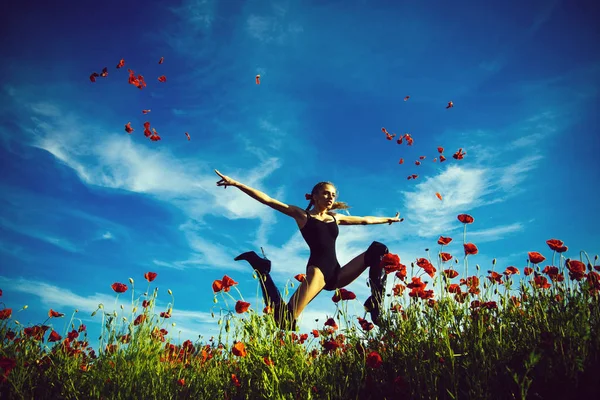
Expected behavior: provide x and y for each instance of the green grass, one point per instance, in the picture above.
(521, 341)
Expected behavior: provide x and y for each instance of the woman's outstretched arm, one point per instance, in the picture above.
(264, 198)
(350, 220)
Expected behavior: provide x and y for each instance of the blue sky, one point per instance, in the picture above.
(84, 204)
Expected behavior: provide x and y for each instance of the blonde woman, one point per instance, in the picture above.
(319, 228)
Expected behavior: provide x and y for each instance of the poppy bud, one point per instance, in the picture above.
(115, 314)
(215, 300)
(145, 293)
(426, 249)
(76, 310)
(227, 326)
(169, 291)
(220, 321)
(477, 267)
(253, 276)
(94, 313)
(100, 306)
(134, 309)
(17, 322)
(291, 285)
(124, 319)
(131, 280)
(173, 324)
(456, 260)
(212, 314)
(25, 307)
(122, 308)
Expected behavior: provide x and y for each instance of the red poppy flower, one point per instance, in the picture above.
(527, 271)
(450, 273)
(54, 336)
(300, 277)
(459, 155)
(495, 277)
(398, 289)
(445, 257)
(343, 294)
(241, 307)
(374, 360)
(511, 271)
(165, 314)
(227, 283)
(331, 322)
(465, 218)
(150, 276)
(427, 266)
(145, 303)
(119, 287)
(562, 249)
(401, 273)
(54, 314)
(576, 269)
(181, 382)
(390, 262)
(139, 319)
(535, 257)
(470, 249)
(6, 313)
(541, 282)
(454, 288)
(239, 349)
(444, 240)
(554, 244)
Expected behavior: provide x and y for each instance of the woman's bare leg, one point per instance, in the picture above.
(308, 290)
(351, 271)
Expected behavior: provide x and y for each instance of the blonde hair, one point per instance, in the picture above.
(337, 205)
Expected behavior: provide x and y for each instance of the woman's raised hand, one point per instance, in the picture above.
(225, 180)
(395, 219)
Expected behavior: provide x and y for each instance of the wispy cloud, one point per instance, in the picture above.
(36, 233)
(495, 233)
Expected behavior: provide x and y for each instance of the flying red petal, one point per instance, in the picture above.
(121, 63)
(258, 79)
(442, 158)
(435, 159)
(406, 98)
(417, 163)
(146, 111)
(188, 136)
(450, 104)
(399, 141)
(162, 78)
(93, 76)
(421, 157)
(384, 131)
(440, 150)
(128, 127)
(401, 161)
(162, 60)
(104, 73)
(439, 196)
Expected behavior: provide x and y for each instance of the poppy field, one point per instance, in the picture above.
(502, 332)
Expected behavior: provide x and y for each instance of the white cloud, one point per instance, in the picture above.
(512, 175)
(461, 188)
(495, 233)
(107, 236)
(36, 233)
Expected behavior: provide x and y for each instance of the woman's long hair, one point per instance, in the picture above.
(337, 205)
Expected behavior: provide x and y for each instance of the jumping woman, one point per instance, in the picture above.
(319, 227)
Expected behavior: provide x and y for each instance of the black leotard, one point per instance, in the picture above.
(320, 237)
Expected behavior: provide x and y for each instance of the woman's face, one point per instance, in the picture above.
(326, 196)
